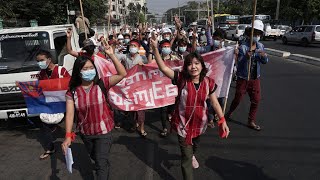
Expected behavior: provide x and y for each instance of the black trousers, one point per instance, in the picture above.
(98, 147)
(47, 135)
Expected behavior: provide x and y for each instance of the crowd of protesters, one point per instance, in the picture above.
(196, 106)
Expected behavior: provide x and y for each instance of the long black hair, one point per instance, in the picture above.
(188, 60)
(76, 80)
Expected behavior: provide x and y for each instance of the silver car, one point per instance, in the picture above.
(305, 35)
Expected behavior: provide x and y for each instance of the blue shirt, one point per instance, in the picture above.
(257, 60)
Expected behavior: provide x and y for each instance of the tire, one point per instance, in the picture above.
(284, 40)
(304, 42)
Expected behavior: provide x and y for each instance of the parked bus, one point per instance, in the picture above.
(247, 19)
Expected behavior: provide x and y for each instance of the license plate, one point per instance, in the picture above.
(17, 114)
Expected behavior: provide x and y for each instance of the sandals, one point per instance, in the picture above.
(143, 134)
(211, 124)
(46, 154)
(254, 126)
(164, 133)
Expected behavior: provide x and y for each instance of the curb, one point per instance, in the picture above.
(277, 52)
(305, 59)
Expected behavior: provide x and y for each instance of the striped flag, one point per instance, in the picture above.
(45, 96)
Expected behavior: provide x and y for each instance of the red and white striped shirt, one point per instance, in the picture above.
(94, 116)
(190, 116)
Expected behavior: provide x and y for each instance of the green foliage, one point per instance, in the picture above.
(48, 12)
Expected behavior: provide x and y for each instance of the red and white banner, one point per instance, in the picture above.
(146, 87)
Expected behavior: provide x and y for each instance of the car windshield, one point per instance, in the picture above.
(18, 51)
(242, 27)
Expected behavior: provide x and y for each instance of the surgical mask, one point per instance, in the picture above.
(166, 50)
(182, 49)
(88, 75)
(203, 32)
(43, 64)
(145, 42)
(256, 39)
(167, 38)
(126, 41)
(133, 50)
(216, 43)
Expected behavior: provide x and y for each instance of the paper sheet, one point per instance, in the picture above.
(69, 159)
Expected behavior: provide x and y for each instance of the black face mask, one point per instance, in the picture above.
(89, 49)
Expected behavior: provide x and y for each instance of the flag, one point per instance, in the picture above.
(45, 96)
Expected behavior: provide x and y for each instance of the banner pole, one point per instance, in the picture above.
(225, 105)
(251, 35)
(83, 20)
(109, 17)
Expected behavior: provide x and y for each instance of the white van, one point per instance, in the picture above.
(18, 48)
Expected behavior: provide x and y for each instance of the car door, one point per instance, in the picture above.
(300, 34)
(291, 35)
(317, 33)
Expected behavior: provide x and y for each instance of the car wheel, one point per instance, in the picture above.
(304, 42)
(284, 40)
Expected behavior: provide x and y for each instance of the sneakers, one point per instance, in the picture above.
(195, 163)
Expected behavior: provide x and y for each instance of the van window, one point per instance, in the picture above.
(60, 40)
(308, 29)
(18, 51)
(318, 28)
(241, 27)
(301, 29)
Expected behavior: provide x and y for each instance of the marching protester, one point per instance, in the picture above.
(250, 83)
(48, 71)
(87, 100)
(82, 25)
(189, 118)
(133, 58)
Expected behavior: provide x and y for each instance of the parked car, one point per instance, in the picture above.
(235, 31)
(271, 32)
(305, 35)
(283, 29)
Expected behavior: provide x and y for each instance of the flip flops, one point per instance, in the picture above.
(46, 154)
(254, 127)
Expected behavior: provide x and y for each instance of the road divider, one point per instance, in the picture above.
(278, 53)
(305, 59)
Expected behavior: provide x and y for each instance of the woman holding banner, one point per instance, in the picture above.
(87, 100)
(190, 118)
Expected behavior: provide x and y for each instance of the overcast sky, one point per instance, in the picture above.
(161, 6)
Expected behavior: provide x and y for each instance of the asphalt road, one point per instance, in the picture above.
(288, 147)
(312, 50)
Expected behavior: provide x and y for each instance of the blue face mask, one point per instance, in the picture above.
(126, 41)
(166, 50)
(216, 43)
(256, 39)
(182, 49)
(167, 38)
(88, 75)
(43, 64)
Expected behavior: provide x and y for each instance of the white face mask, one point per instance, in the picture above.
(133, 50)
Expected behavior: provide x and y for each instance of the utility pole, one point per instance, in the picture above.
(277, 10)
(212, 16)
(179, 7)
(218, 6)
(198, 10)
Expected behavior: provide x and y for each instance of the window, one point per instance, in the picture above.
(318, 28)
(60, 47)
(113, 8)
(301, 29)
(308, 29)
